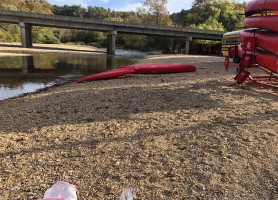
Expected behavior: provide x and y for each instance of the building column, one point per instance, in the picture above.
(187, 42)
(111, 42)
(26, 34)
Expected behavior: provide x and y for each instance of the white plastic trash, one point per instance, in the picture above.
(61, 191)
(126, 194)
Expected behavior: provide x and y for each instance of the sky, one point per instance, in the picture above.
(126, 5)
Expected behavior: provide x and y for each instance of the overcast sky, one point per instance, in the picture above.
(126, 5)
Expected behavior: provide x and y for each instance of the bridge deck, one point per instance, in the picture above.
(37, 19)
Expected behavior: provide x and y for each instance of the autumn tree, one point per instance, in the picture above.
(155, 12)
(38, 6)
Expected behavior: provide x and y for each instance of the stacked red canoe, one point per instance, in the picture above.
(262, 19)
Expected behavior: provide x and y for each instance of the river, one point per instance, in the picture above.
(26, 74)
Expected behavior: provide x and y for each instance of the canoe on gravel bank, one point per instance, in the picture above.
(157, 68)
(161, 68)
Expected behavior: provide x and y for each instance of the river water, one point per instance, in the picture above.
(27, 74)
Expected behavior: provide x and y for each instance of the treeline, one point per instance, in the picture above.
(224, 15)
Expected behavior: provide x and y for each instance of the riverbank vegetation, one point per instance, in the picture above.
(223, 15)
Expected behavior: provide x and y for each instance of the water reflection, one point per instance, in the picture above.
(27, 64)
(23, 74)
(7, 92)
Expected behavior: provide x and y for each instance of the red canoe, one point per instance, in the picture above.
(267, 60)
(258, 6)
(160, 68)
(115, 73)
(265, 39)
(264, 22)
(140, 69)
(240, 51)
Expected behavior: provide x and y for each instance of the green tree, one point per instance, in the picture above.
(97, 12)
(9, 32)
(115, 19)
(155, 12)
(73, 11)
(231, 14)
(8, 7)
(179, 18)
(199, 3)
(215, 15)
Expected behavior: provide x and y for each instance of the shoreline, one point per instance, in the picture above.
(56, 84)
(166, 136)
(15, 48)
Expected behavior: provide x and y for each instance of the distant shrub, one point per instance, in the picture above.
(8, 7)
(95, 44)
(51, 38)
(80, 43)
(2, 36)
(70, 43)
(37, 37)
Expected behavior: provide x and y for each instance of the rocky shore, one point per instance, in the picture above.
(166, 136)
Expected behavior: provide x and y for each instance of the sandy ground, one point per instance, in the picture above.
(166, 136)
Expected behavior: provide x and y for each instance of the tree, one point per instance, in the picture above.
(38, 6)
(180, 18)
(155, 12)
(231, 14)
(198, 3)
(214, 15)
(73, 11)
(9, 32)
(97, 12)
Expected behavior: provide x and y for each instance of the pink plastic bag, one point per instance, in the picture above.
(60, 191)
(126, 194)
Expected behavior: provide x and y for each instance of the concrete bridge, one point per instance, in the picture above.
(27, 19)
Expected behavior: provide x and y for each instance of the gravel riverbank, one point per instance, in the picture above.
(167, 136)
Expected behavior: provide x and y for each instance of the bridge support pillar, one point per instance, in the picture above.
(187, 42)
(174, 46)
(111, 42)
(179, 46)
(176, 43)
(26, 34)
